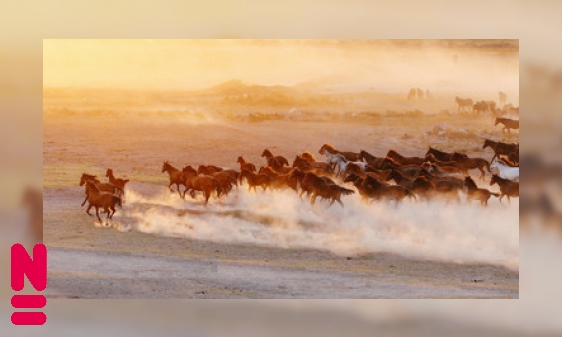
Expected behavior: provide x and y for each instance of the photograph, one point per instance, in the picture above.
(281, 168)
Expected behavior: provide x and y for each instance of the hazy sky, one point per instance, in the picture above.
(347, 64)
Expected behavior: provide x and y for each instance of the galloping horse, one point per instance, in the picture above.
(475, 193)
(104, 187)
(255, 180)
(120, 183)
(507, 187)
(472, 163)
(507, 124)
(351, 156)
(404, 160)
(176, 176)
(500, 148)
(203, 183)
(274, 161)
(100, 199)
(464, 104)
(244, 165)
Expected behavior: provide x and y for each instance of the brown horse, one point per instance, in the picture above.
(370, 159)
(176, 176)
(372, 188)
(104, 187)
(279, 180)
(500, 148)
(120, 183)
(203, 183)
(475, 193)
(507, 187)
(322, 187)
(226, 182)
(308, 156)
(244, 165)
(464, 105)
(100, 199)
(349, 156)
(507, 124)
(404, 160)
(255, 180)
(316, 167)
(274, 161)
(442, 156)
(208, 169)
(467, 163)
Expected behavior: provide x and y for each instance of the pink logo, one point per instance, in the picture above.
(36, 271)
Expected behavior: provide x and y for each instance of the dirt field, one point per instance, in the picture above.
(265, 244)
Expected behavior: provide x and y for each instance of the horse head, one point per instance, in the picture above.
(266, 153)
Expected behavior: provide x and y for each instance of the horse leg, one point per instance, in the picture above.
(483, 175)
(508, 200)
(341, 203)
(207, 195)
(313, 199)
(98, 214)
(113, 209)
(170, 187)
(88, 210)
(85, 199)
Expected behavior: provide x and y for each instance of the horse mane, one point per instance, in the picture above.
(90, 175)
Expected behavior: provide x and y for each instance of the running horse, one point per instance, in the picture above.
(507, 124)
(500, 148)
(351, 156)
(507, 187)
(274, 161)
(176, 176)
(475, 193)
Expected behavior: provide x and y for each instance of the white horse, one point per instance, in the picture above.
(342, 163)
(505, 171)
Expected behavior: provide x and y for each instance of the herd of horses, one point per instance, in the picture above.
(392, 177)
(498, 116)
(395, 177)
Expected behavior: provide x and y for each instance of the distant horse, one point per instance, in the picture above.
(104, 187)
(503, 97)
(507, 187)
(244, 165)
(176, 176)
(475, 193)
(419, 93)
(351, 156)
(505, 171)
(99, 199)
(500, 148)
(412, 94)
(465, 105)
(507, 124)
(120, 183)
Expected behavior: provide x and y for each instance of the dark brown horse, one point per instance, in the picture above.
(322, 187)
(370, 159)
(404, 160)
(274, 161)
(467, 163)
(244, 165)
(507, 187)
(204, 183)
(475, 193)
(176, 176)
(104, 187)
(279, 180)
(120, 183)
(500, 148)
(442, 156)
(255, 180)
(372, 188)
(99, 199)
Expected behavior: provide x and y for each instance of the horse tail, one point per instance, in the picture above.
(495, 194)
